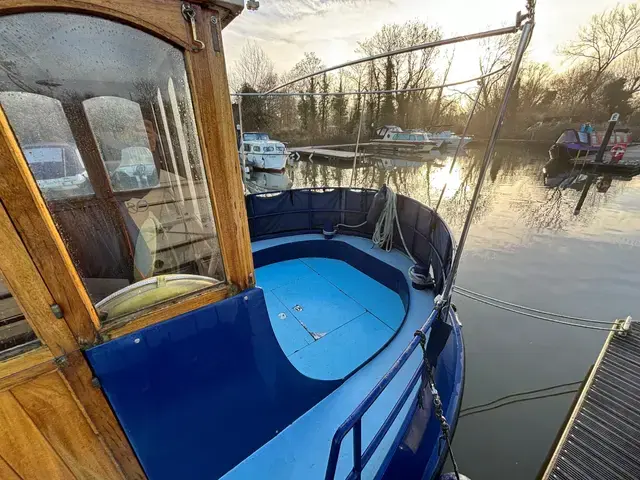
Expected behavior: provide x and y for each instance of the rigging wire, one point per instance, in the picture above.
(529, 309)
(422, 46)
(372, 92)
(539, 317)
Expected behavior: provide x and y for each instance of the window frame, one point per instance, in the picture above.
(211, 103)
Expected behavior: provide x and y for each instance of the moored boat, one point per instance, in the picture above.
(572, 144)
(263, 153)
(394, 139)
(450, 139)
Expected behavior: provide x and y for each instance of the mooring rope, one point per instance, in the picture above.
(539, 317)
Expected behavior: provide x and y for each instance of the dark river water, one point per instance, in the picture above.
(526, 246)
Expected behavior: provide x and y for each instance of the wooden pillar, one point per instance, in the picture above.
(212, 104)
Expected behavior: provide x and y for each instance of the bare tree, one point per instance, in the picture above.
(605, 39)
(254, 68)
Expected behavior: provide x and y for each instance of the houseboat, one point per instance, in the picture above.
(262, 153)
(165, 325)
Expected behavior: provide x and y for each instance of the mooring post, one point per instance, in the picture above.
(605, 141)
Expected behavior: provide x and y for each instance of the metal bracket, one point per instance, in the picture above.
(61, 361)
(56, 310)
(623, 326)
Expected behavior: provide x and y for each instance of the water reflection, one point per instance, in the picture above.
(515, 186)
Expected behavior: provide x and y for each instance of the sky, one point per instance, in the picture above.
(285, 29)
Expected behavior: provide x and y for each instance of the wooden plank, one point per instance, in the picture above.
(214, 119)
(25, 361)
(53, 410)
(20, 369)
(170, 310)
(25, 284)
(78, 376)
(6, 472)
(24, 448)
(30, 217)
(160, 17)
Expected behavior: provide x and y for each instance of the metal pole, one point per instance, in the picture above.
(355, 154)
(464, 134)
(422, 46)
(527, 30)
(607, 136)
(242, 152)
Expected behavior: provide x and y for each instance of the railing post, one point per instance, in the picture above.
(357, 448)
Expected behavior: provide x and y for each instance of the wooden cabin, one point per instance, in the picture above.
(115, 117)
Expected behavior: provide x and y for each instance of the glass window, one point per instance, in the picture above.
(104, 116)
(269, 149)
(47, 143)
(247, 148)
(412, 137)
(252, 137)
(420, 137)
(395, 137)
(16, 336)
(256, 149)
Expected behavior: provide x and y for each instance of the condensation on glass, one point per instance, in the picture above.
(104, 117)
(16, 335)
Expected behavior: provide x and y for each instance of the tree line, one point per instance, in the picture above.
(601, 75)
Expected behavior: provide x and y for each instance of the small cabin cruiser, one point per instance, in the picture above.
(450, 139)
(392, 138)
(572, 144)
(262, 153)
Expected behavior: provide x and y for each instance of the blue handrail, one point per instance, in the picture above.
(354, 421)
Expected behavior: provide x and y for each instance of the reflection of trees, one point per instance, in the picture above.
(517, 187)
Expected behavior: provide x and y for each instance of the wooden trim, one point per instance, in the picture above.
(78, 375)
(162, 18)
(25, 284)
(26, 371)
(53, 409)
(31, 218)
(25, 361)
(171, 310)
(212, 104)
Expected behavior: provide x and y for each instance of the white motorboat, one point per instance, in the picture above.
(450, 139)
(262, 153)
(393, 138)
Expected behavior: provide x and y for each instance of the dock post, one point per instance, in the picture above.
(583, 195)
(605, 141)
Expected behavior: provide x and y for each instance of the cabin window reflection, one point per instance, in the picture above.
(104, 117)
(16, 335)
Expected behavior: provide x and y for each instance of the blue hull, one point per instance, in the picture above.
(223, 392)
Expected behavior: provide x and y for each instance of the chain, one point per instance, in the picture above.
(427, 374)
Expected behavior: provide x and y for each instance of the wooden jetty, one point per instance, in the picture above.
(328, 152)
(601, 439)
(628, 166)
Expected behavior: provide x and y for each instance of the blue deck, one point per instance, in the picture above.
(329, 318)
(302, 449)
(229, 391)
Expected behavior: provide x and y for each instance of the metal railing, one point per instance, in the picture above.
(354, 421)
